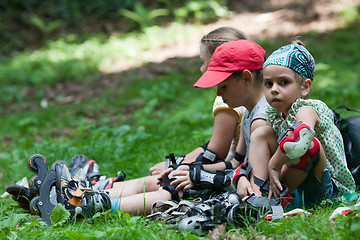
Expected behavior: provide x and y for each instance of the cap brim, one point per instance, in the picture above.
(211, 79)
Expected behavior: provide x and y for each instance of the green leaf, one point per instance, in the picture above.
(11, 221)
(59, 216)
(75, 235)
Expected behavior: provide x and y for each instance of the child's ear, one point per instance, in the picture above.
(306, 87)
(248, 77)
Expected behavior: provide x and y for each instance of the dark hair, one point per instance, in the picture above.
(296, 41)
(258, 76)
(219, 36)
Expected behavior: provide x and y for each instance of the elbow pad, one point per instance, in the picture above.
(296, 146)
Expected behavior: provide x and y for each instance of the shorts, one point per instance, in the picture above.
(312, 191)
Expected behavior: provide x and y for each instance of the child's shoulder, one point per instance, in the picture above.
(316, 104)
(324, 112)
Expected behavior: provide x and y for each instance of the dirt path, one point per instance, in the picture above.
(272, 19)
(275, 18)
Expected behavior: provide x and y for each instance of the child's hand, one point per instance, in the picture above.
(164, 174)
(275, 187)
(183, 167)
(157, 168)
(243, 187)
(182, 181)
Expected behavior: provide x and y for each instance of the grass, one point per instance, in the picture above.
(134, 125)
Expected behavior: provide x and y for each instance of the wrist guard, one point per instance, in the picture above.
(243, 170)
(172, 161)
(208, 157)
(203, 179)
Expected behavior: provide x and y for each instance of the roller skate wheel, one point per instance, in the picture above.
(34, 206)
(52, 168)
(31, 162)
(34, 184)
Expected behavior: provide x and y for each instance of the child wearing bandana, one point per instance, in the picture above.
(310, 158)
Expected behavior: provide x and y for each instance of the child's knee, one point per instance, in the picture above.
(262, 133)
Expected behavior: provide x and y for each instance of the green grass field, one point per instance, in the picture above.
(136, 124)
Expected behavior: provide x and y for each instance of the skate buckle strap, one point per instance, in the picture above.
(78, 193)
(278, 212)
(263, 185)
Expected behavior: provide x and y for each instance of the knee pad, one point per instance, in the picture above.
(203, 179)
(300, 146)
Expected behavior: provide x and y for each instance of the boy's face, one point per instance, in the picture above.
(232, 91)
(281, 87)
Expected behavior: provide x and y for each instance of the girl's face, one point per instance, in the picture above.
(204, 57)
(232, 91)
(281, 87)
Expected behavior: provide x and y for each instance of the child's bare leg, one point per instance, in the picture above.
(140, 204)
(262, 146)
(134, 186)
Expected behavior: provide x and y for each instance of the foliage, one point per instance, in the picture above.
(201, 11)
(134, 125)
(142, 16)
(34, 22)
(46, 29)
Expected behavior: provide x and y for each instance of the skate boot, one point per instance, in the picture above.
(90, 168)
(21, 194)
(57, 186)
(44, 185)
(203, 216)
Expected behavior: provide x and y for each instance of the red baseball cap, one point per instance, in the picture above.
(231, 57)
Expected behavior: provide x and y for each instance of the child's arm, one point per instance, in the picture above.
(276, 170)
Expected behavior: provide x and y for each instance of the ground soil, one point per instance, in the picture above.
(263, 19)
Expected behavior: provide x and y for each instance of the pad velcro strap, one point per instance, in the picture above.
(228, 165)
(263, 185)
(171, 189)
(205, 146)
(208, 157)
(239, 157)
(172, 161)
(203, 179)
(243, 170)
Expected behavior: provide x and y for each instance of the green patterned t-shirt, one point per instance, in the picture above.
(328, 135)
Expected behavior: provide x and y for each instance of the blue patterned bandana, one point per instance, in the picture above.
(295, 57)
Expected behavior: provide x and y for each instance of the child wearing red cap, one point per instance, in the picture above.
(223, 141)
(236, 69)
